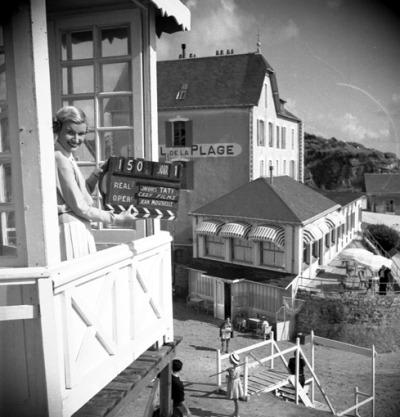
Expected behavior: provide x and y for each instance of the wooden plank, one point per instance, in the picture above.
(21, 312)
(131, 379)
(148, 412)
(50, 354)
(342, 346)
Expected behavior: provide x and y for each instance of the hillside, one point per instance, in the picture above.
(331, 164)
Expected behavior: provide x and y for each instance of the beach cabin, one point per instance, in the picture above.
(254, 246)
(67, 329)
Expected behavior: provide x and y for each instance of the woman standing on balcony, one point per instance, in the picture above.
(74, 201)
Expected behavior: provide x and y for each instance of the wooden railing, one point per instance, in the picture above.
(97, 315)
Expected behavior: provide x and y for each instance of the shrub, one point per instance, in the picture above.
(387, 237)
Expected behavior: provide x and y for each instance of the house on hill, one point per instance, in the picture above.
(222, 118)
(256, 244)
(383, 193)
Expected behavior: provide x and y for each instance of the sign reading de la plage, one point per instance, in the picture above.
(213, 150)
(148, 189)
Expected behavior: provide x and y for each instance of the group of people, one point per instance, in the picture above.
(234, 390)
(385, 279)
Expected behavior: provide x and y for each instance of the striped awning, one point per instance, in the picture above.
(334, 219)
(323, 227)
(267, 233)
(311, 233)
(238, 229)
(209, 227)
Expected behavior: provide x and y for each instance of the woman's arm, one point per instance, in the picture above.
(73, 196)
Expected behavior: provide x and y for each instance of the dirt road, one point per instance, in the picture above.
(338, 372)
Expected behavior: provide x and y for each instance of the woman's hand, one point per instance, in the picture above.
(125, 219)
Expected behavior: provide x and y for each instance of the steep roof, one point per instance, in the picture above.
(382, 183)
(343, 197)
(217, 81)
(284, 201)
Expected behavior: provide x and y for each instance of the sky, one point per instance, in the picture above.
(337, 62)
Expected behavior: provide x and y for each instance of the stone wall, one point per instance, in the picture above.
(351, 317)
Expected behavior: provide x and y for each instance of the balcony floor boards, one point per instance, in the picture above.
(126, 386)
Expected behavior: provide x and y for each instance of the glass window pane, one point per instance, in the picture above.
(116, 77)
(87, 106)
(117, 143)
(4, 135)
(77, 45)
(116, 111)
(5, 183)
(78, 80)
(8, 237)
(114, 42)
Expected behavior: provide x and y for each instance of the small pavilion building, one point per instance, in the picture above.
(255, 245)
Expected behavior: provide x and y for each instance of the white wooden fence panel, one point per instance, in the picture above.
(109, 308)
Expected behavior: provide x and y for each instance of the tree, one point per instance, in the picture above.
(387, 237)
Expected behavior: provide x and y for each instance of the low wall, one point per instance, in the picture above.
(350, 317)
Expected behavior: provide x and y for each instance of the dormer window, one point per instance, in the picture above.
(182, 92)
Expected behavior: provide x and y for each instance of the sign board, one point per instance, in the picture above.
(148, 189)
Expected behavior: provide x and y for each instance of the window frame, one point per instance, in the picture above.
(270, 134)
(12, 157)
(131, 19)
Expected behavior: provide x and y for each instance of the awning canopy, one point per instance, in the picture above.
(323, 227)
(173, 16)
(311, 233)
(334, 219)
(267, 233)
(209, 227)
(238, 229)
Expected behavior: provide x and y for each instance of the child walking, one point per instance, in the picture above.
(235, 389)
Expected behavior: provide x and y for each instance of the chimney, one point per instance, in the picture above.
(221, 52)
(271, 176)
(228, 51)
(183, 50)
(217, 52)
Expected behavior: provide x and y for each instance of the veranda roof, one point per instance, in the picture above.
(311, 233)
(209, 227)
(238, 229)
(268, 233)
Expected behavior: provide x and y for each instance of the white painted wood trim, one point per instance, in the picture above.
(20, 312)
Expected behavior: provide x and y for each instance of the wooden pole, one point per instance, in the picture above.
(356, 401)
(246, 376)
(313, 366)
(50, 353)
(297, 370)
(255, 357)
(373, 380)
(165, 391)
(272, 350)
(219, 370)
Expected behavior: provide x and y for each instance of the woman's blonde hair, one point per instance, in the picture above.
(68, 114)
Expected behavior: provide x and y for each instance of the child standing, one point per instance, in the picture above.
(235, 389)
(225, 333)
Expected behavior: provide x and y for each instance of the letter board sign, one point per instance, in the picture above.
(148, 189)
